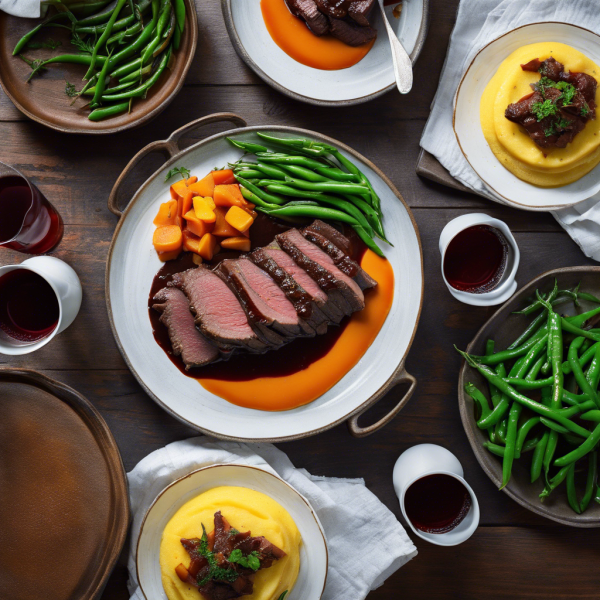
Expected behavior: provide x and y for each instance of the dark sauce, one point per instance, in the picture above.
(475, 259)
(289, 359)
(29, 308)
(437, 503)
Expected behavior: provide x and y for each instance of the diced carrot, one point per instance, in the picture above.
(203, 211)
(228, 195)
(190, 241)
(167, 213)
(208, 201)
(191, 180)
(172, 255)
(208, 246)
(236, 243)
(224, 177)
(204, 187)
(249, 210)
(222, 227)
(167, 238)
(182, 572)
(196, 226)
(196, 259)
(178, 189)
(186, 202)
(239, 218)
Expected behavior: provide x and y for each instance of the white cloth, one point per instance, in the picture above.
(21, 8)
(365, 541)
(478, 22)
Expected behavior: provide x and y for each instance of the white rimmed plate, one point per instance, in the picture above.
(313, 551)
(132, 264)
(368, 79)
(507, 187)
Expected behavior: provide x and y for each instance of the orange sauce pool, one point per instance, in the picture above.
(290, 391)
(293, 36)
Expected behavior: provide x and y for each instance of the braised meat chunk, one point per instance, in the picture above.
(559, 107)
(223, 561)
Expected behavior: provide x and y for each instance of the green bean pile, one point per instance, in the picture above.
(128, 43)
(541, 402)
(303, 179)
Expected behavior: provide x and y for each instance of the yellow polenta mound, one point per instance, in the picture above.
(511, 145)
(246, 510)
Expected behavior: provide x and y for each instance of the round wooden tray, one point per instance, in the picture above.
(503, 327)
(44, 100)
(64, 510)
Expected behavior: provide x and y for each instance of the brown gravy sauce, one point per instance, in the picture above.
(291, 358)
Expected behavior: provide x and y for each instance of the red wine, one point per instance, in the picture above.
(28, 222)
(29, 309)
(475, 259)
(437, 503)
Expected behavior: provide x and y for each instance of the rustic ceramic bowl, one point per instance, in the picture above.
(508, 188)
(43, 99)
(313, 551)
(503, 328)
(368, 79)
(133, 263)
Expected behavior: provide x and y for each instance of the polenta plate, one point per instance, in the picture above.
(505, 186)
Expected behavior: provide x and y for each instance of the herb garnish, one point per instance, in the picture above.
(49, 43)
(283, 595)
(185, 173)
(70, 90)
(82, 45)
(215, 572)
(252, 561)
(544, 109)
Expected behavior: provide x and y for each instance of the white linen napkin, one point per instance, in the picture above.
(478, 22)
(366, 543)
(21, 8)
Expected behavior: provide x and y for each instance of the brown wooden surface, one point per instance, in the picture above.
(514, 554)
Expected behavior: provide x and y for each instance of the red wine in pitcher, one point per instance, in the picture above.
(29, 309)
(437, 503)
(475, 259)
(28, 222)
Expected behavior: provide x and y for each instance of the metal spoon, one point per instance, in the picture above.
(402, 62)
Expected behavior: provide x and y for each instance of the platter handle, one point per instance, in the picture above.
(401, 377)
(168, 148)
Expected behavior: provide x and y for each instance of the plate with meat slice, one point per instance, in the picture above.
(263, 535)
(324, 52)
(536, 143)
(283, 340)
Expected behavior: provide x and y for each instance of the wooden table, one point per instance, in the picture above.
(514, 554)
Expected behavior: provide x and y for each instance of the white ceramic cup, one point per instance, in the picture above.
(507, 285)
(67, 287)
(429, 459)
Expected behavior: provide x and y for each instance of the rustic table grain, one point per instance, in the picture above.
(514, 554)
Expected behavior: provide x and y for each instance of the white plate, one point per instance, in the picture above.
(133, 263)
(509, 188)
(313, 551)
(371, 77)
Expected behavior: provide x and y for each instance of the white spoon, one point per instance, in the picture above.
(402, 62)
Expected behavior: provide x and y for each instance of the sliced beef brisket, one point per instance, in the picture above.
(217, 310)
(307, 9)
(187, 341)
(350, 33)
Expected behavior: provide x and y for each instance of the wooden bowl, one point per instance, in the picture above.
(503, 327)
(44, 100)
(64, 505)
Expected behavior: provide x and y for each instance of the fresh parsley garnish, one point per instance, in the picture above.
(70, 90)
(568, 92)
(215, 572)
(251, 561)
(233, 532)
(185, 173)
(544, 109)
(585, 111)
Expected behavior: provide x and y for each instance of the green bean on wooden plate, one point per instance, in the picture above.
(121, 43)
(554, 413)
(305, 178)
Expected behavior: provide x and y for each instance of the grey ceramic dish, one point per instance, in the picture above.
(503, 327)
